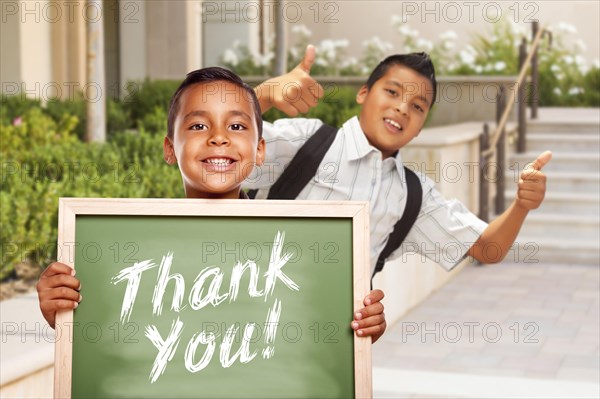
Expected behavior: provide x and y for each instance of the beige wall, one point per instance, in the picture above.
(361, 20)
(164, 39)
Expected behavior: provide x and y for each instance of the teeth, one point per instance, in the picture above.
(393, 123)
(219, 161)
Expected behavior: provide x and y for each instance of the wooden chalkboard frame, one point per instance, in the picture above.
(70, 208)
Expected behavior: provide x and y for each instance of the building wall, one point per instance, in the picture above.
(358, 21)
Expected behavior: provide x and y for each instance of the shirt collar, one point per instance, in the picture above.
(357, 145)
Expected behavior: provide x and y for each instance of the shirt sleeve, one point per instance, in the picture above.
(444, 231)
(283, 139)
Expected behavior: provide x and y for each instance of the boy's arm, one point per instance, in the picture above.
(502, 232)
(294, 92)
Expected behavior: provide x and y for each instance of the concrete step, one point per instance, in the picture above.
(561, 161)
(585, 123)
(564, 182)
(558, 225)
(565, 203)
(563, 142)
(577, 250)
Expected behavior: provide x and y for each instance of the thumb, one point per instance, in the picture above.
(541, 161)
(309, 58)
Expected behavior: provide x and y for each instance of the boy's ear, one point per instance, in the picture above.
(260, 152)
(362, 94)
(168, 152)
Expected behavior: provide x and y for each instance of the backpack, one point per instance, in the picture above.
(305, 164)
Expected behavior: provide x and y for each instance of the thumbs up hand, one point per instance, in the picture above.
(293, 93)
(532, 183)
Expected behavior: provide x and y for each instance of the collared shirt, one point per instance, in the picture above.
(354, 170)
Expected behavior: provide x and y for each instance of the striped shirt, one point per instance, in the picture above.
(354, 170)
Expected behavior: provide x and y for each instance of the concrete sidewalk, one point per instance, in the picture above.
(508, 330)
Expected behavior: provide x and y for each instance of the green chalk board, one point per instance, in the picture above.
(201, 298)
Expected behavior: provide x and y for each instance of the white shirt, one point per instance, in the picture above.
(354, 170)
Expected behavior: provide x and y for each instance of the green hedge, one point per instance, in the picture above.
(43, 160)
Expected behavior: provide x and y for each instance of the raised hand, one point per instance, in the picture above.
(531, 188)
(295, 92)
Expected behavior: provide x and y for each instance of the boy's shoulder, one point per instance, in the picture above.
(291, 127)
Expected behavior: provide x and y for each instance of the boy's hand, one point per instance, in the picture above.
(532, 183)
(58, 289)
(370, 320)
(293, 93)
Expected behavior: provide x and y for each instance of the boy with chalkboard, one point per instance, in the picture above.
(361, 161)
(215, 137)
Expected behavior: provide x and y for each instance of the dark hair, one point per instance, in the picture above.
(207, 75)
(418, 62)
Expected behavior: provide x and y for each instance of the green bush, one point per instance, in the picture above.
(143, 98)
(12, 107)
(44, 160)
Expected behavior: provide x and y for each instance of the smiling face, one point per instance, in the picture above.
(395, 108)
(215, 140)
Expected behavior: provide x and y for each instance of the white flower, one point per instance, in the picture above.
(397, 19)
(466, 57)
(555, 68)
(321, 62)
(579, 60)
(350, 62)
(229, 57)
(424, 44)
(500, 66)
(573, 91)
(406, 31)
(560, 76)
(256, 59)
(341, 43)
(302, 30)
(478, 69)
(568, 59)
(449, 45)
(562, 26)
(580, 44)
(266, 58)
(517, 30)
(449, 35)
(557, 91)
(378, 44)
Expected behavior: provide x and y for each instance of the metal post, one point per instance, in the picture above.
(500, 152)
(484, 192)
(535, 74)
(521, 104)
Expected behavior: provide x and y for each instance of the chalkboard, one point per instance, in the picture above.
(213, 298)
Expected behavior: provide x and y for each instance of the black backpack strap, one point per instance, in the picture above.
(304, 165)
(414, 198)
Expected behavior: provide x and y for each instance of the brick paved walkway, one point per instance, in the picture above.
(509, 330)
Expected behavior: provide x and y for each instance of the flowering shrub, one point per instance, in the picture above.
(44, 160)
(565, 78)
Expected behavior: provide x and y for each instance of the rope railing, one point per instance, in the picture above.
(519, 83)
(494, 143)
